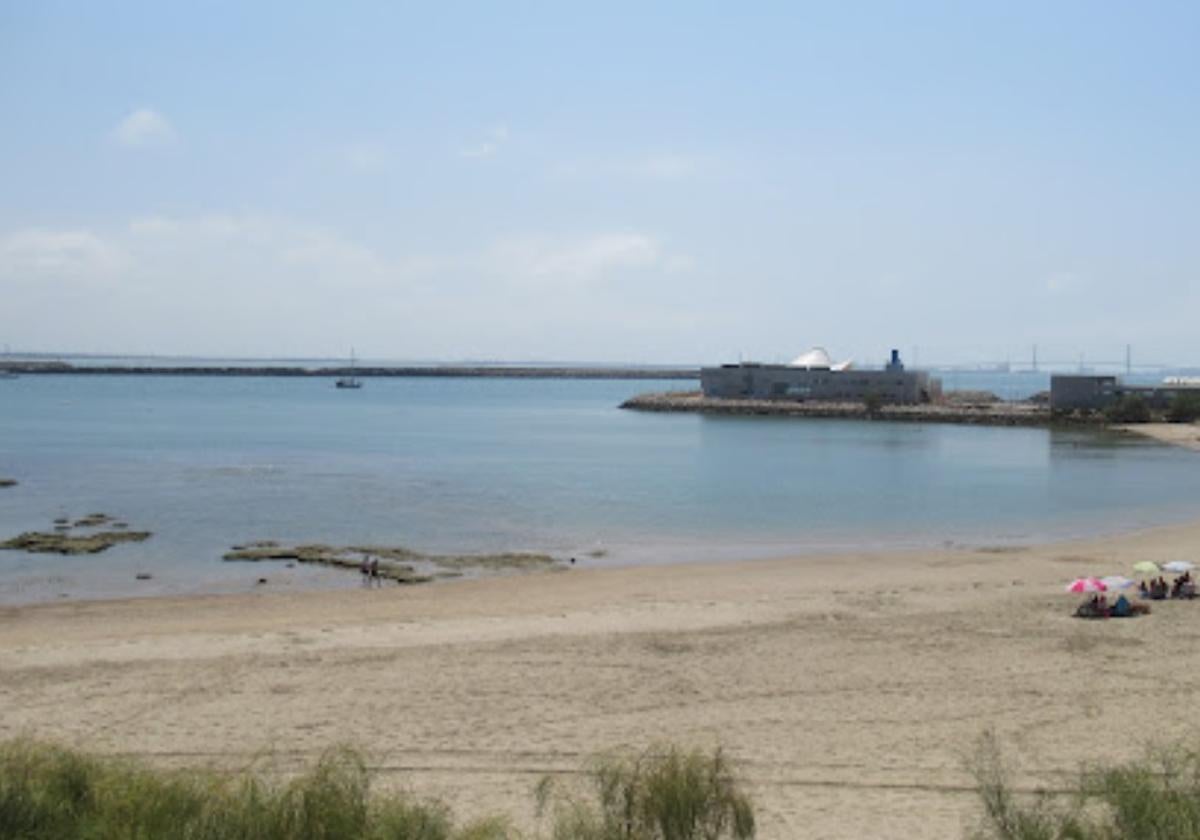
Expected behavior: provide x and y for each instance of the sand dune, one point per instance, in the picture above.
(848, 687)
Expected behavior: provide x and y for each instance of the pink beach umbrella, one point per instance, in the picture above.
(1088, 584)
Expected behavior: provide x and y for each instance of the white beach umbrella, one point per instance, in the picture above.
(1117, 582)
(1177, 566)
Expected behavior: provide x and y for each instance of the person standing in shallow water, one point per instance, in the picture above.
(365, 568)
(375, 579)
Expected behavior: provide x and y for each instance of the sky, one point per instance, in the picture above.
(625, 182)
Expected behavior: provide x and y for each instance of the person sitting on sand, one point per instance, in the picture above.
(1121, 608)
(1143, 590)
(1185, 587)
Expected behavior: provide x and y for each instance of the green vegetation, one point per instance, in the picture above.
(52, 793)
(1154, 799)
(1185, 408)
(659, 794)
(1131, 408)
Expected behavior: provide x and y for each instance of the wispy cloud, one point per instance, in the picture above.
(669, 166)
(1063, 282)
(493, 139)
(39, 254)
(223, 281)
(366, 156)
(272, 246)
(572, 261)
(143, 128)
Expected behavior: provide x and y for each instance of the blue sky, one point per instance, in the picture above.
(626, 182)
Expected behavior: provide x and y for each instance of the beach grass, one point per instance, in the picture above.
(49, 792)
(662, 793)
(1155, 798)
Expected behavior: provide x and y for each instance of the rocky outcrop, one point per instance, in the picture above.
(66, 540)
(397, 563)
(41, 542)
(971, 413)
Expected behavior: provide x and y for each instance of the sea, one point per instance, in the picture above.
(546, 465)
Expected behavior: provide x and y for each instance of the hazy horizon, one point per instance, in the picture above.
(675, 184)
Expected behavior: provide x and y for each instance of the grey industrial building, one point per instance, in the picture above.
(1095, 392)
(816, 379)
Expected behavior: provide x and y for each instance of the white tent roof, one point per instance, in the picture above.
(818, 357)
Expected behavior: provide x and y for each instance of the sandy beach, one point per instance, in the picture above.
(848, 688)
(1186, 435)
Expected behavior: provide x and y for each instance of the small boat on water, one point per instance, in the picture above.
(350, 381)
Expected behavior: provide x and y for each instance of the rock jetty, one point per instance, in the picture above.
(965, 412)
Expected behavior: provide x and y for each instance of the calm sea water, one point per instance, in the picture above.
(493, 464)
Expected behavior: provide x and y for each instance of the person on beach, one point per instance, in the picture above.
(365, 568)
(375, 572)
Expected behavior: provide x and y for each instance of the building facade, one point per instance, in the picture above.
(1088, 392)
(748, 380)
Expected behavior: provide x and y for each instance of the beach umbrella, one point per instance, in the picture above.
(1179, 566)
(1117, 582)
(1146, 567)
(1088, 584)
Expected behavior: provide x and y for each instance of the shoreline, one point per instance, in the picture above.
(846, 687)
(1185, 435)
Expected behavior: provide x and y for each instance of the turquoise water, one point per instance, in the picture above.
(547, 465)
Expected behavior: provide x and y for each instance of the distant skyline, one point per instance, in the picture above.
(671, 183)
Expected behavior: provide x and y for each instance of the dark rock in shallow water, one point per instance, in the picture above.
(39, 542)
(93, 520)
(396, 562)
(8, 482)
(323, 555)
(143, 576)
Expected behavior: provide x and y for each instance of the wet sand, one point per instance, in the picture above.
(849, 688)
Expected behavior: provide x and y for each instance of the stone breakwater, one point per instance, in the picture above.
(419, 371)
(983, 414)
